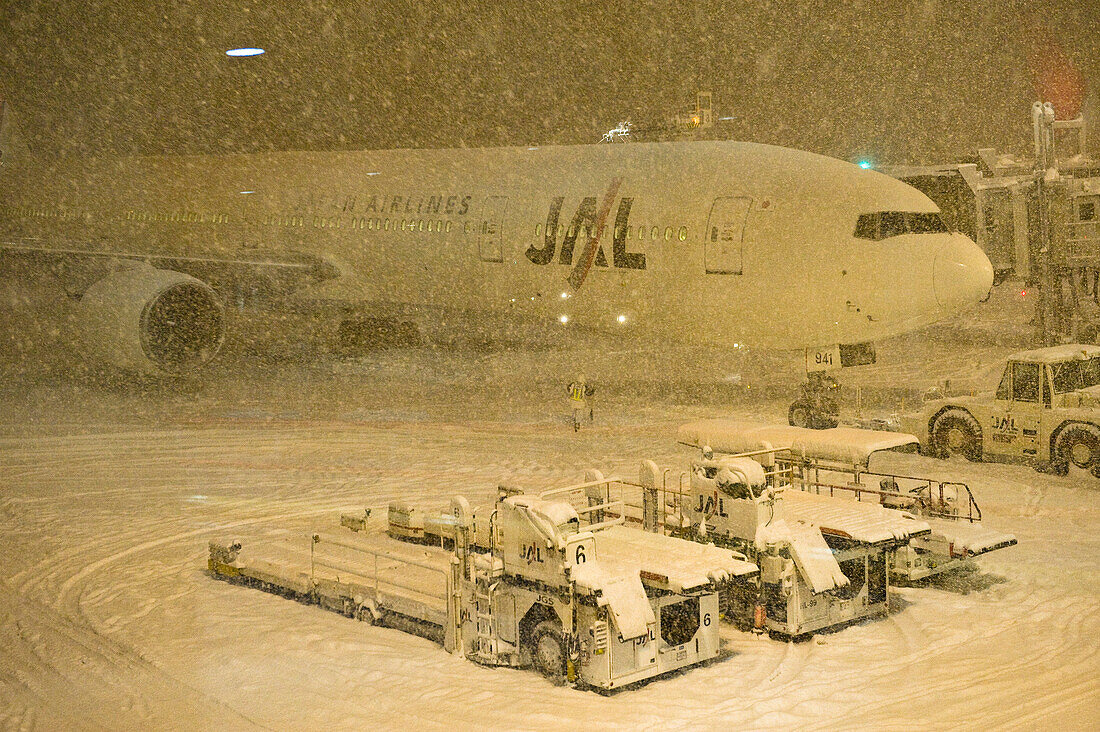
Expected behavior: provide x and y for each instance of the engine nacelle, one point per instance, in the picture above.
(152, 321)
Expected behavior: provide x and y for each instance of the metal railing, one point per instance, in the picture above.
(926, 496)
(593, 508)
(370, 575)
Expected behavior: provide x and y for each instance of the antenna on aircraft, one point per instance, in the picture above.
(618, 134)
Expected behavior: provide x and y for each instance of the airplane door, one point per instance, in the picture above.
(726, 234)
(490, 232)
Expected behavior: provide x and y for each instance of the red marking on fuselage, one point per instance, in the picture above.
(588, 256)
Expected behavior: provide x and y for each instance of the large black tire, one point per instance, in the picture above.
(548, 649)
(956, 432)
(800, 414)
(1078, 445)
(803, 414)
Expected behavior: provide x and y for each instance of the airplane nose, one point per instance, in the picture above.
(962, 275)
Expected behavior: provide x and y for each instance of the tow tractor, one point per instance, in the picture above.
(836, 462)
(521, 584)
(1046, 411)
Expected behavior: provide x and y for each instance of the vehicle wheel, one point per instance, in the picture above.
(1078, 445)
(548, 649)
(800, 414)
(956, 432)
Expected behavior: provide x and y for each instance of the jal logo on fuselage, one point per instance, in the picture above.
(586, 219)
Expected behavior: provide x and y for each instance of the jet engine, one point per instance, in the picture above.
(152, 321)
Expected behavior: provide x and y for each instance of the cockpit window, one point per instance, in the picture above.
(891, 223)
(884, 224)
(925, 223)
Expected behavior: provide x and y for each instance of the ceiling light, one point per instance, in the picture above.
(244, 52)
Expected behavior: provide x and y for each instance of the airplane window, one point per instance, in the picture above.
(655, 233)
(683, 233)
(538, 230)
(892, 223)
(867, 226)
(925, 223)
(884, 224)
(668, 233)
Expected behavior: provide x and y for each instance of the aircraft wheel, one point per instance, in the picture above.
(800, 414)
(1079, 445)
(956, 432)
(548, 649)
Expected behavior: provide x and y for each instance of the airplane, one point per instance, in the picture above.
(728, 244)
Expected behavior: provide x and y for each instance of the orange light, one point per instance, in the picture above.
(1023, 293)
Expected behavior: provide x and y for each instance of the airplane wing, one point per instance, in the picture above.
(258, 275)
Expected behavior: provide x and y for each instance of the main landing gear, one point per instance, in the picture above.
(818, 403)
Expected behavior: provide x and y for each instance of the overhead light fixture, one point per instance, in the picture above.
(621, 318)
(244, 52)
(564, 319)
(245, 193)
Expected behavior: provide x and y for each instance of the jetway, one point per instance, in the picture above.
(1037, 219)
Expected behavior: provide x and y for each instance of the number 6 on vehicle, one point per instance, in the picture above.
(580, 548)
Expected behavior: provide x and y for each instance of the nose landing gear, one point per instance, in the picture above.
(818, 403)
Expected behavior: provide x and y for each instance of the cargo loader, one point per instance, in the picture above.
(823, 562)
(600, 605)
(836, 462)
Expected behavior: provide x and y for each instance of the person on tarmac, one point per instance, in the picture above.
(579, 391)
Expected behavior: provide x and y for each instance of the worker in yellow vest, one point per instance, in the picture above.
(579, 391)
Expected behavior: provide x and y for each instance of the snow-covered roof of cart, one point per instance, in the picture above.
(866, 523)
(846, 445)
(1064, 352)
(679, 565)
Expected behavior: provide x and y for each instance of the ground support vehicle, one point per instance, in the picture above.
(603, 607)
(823, 562)
(1046, 411)
(835, 462)
(949, 509)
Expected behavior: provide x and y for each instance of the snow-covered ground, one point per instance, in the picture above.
(108, 617)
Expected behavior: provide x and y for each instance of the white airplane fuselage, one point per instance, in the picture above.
(719, 243)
